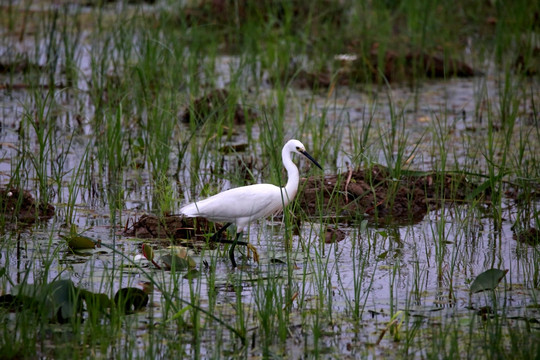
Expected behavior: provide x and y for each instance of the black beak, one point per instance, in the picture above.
(305, 153)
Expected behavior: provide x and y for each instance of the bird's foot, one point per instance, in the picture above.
(253, 249)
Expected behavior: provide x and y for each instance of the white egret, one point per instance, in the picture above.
(242, 205)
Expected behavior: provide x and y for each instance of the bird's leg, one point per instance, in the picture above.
(217, 235)
(231, 250)
(217, 238)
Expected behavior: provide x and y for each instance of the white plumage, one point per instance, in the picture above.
(241, 206)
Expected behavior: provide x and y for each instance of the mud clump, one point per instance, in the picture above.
(227, 14)
(334, 235)
(359, 69)
(20, 205)
(19, 66)
(413, 63)
(216, 105)
(173, 227)
(375, 194)
(528, 65)
(530, 236)
(394, 68)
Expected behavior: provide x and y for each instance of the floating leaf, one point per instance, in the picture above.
(191, 273)
(174, 261)
(180, 252)
(65, 298)
(79, 242)
(12, 302)
(96, 300)
(130, 299)
(488, 280)
(81, 252)
(59, 299)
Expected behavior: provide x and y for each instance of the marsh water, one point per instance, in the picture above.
(304, 297)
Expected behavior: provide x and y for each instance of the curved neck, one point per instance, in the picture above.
(293, 176)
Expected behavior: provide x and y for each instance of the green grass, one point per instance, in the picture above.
(94, 127)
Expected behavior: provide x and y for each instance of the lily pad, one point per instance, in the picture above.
(130, 299)
(15, 302)
(65, 299)
(60, 299)
(488, 280)
(171, 261)
(79, 242)
(96, 300)
(192, 273)
(179, 256)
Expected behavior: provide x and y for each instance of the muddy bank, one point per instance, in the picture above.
(376, 194)
(174, 228)
(354, 68)
(225, 14)
(20, 205)
(216, 105)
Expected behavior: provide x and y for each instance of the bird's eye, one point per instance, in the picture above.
(298, 148)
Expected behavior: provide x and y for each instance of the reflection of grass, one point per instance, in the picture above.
(147, 68)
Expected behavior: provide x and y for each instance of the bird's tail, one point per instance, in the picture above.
(190, 210)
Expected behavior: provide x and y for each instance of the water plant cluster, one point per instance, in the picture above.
(420, 240)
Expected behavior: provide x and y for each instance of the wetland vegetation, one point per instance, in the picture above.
(420, 240)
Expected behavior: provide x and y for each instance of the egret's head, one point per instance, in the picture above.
(297, 147)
